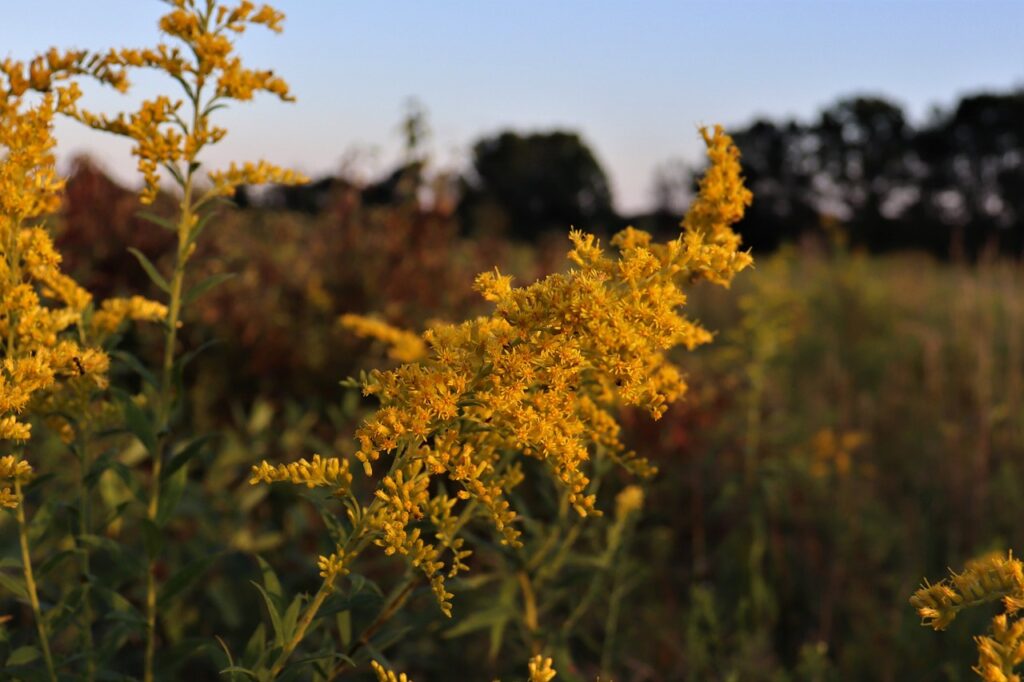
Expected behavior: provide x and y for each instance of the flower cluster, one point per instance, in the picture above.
(211, 74)
(541, 377)
(49, 335)
(995, 577)
(403, 345)
(541, 669)
(1000, 653)
(989, 578)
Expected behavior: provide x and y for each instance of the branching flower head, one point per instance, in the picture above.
(991, 578)
(50, 343)
(169, 135)
(541, 377)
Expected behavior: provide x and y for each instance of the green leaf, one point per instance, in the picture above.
(52, 562)
(186, 455)
(150, 269)
(23, 655)
(15, 586)
(200, 225)
(136, 366)
(173, 489)
(291, 616)
(238, 669)
(275, 615)
(254, 648)
(182, 362)
(270, 581)
(138, 422)
(206, 285)
(183, 579)
(151, 217)
(176, 174)
(478, 621)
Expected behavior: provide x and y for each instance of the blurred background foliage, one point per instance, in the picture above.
(858, 423)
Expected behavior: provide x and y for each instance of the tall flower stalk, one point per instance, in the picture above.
(52, 364)
(170, 136)
(540, 378)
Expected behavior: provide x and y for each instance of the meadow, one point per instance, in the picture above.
(254, 442)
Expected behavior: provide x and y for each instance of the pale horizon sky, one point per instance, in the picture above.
(634, 78)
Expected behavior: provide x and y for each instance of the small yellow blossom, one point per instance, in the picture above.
(332, 566)
(629, 501)
(11, 469)
(385, 675)
(321, 472)
(541, 670)
(114, 311)
(988, 578)
(404, 346)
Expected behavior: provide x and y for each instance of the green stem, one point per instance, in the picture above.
(395, 601)
(300, 631)
(30, 583)
(165, 402)
(84, 523)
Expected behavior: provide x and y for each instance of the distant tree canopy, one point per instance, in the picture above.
(954, 184)
(525, 185)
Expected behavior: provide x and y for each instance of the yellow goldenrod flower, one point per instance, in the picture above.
(629, 501)
(541, 376)
(404, 346)
(541, 670)
(320, 472)
(989, 578)
(385, 675)
(51, 362)
(1002, 651)
(211, 75)
(12, 468)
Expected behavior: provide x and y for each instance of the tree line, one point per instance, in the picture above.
(952, 185)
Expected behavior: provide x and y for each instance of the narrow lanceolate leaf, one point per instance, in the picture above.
(206, 285)
(173, 489)
(183, 579)
(12, 585)
(200, 225)
(150, 269)
(135, 365)
(275, 615)
(138, 422)
(186, 455)
(158, 220)
(23, 655)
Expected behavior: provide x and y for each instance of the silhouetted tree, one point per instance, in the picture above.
(954, 184)
(526, 185)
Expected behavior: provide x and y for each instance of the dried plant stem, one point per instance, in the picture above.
(30, 582)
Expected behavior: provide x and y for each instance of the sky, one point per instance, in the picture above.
(634, 77)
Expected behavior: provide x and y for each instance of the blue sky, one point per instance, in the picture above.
(634, 77)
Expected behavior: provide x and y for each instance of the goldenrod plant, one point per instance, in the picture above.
(486, 467)
(538, 380)
(170, 136)
(993, 578)
(55, 366)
